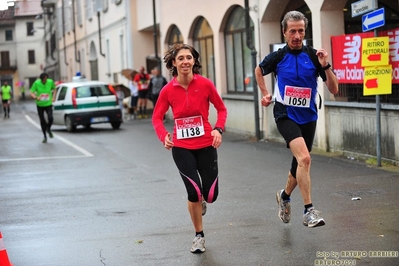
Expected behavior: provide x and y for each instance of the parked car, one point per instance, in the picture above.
(82, 102)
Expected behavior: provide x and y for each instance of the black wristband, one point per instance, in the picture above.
(219, 129)
(326, 67)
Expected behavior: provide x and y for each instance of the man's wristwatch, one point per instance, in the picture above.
(219, 129)
(326, 67)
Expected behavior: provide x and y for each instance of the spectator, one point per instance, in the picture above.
(141, 80)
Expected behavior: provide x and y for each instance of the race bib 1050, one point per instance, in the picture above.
(297, 96)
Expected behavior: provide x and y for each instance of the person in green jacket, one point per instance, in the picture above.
(43, 91)
(6, 95)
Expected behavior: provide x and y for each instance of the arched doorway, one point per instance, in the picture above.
(203, 43)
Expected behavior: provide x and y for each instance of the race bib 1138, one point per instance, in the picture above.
(189, 127)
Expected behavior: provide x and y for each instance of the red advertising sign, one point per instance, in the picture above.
(393, 52)
(347, 52)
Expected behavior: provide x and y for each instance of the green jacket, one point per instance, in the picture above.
(43, 92)
(6, 92)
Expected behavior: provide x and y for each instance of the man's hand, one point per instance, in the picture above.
(266, 100)
(332, 81)
(322, 55)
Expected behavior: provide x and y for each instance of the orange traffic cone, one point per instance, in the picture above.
(4, 261)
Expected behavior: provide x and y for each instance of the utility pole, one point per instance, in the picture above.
(254, 83)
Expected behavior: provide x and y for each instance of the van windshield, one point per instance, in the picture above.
(92, 91)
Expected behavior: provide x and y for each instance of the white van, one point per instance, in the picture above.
(84, 103)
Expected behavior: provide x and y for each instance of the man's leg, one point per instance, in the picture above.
(291, 184)
(134, 106)
(145, 108)
(302, 155)
(139, 104)
(301, 151)
(49, 111)
(43, 123)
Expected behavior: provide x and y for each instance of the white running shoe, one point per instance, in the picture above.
(312, 218)
(284, 208)
(198, 245)
(203, 207)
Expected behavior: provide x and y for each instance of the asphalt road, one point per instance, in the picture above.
(114, 197)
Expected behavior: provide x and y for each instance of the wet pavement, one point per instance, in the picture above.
(114, 197)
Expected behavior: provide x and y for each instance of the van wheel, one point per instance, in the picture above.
(69, 126)
(116, 125)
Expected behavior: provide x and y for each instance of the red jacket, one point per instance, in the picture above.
(142, 80)
(194, 101)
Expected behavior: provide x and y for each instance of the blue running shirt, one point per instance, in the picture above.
(296, 84)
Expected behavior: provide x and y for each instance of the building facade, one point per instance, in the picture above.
(101, 38)
(22, 45)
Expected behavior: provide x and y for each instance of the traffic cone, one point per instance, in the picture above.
(4, 261)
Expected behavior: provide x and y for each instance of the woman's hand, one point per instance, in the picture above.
(217, 138)
(168, 143)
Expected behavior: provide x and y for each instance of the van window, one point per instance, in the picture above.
(85, 91)
(93, 91)
(63, 91)
(104, 91)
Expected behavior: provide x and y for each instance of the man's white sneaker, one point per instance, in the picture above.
(312, 218)
(284, 208)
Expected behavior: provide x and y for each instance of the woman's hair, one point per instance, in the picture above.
(294, 15)
(170, 56)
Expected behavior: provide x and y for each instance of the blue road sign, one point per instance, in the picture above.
(373, 20)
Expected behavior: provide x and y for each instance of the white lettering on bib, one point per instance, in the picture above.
(189, 127)
(44, 97)
(297, 96)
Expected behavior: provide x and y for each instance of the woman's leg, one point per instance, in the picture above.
(186, 163)
(207, 161)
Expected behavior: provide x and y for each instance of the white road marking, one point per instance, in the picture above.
(42, 158)
(76, 147)
(67, 142)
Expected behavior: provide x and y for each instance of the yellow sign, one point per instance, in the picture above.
(377, 80)
(375, 51)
